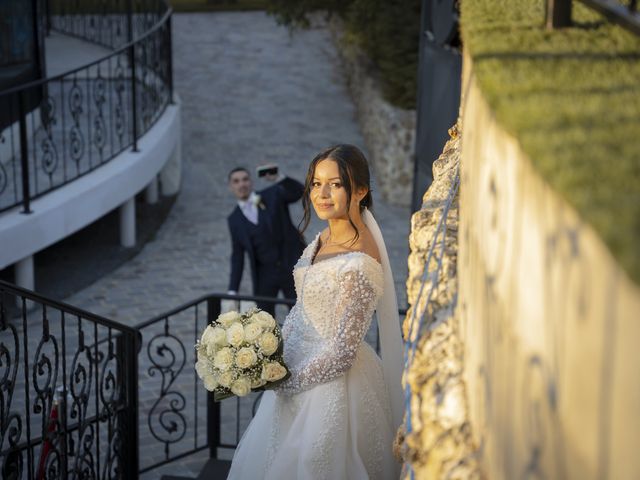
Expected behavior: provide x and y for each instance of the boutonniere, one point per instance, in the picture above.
(257, 201)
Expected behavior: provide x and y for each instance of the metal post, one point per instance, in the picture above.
(213, 407)
(132, 62)
(558, 13)
(213, 425)
(24, 152)
(128, 344)
(47, 6)
(170, 58)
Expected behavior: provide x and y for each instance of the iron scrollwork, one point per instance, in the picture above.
(47, 145)
(80, 382)
(99, 99)
(166, 420)
(11, 423)
(75, 135)
(119, 86)
(111, 397)
(45, 373)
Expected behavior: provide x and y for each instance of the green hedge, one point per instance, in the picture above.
(387, 30)
(572, 99)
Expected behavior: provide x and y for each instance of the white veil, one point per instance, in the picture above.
(389, 327)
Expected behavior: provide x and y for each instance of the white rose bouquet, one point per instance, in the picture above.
(239, 353)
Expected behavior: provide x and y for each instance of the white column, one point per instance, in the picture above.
(171, 173)
(23, 271)
(151, 192)
(128, 223)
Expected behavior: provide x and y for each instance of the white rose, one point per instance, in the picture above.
(223, 359)
(252, 332)
(219, 336)
(268, 343)
(229, 318)
(207, 335)
(211, 349)
(258, 383)
(202, 369)
(241, 387)
(226, 378)
(272, 371)
(201, 353)
(264, 319)
(246, 357)
(210, 382)
(235, 334)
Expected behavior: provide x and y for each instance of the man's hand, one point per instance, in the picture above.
(271, 177)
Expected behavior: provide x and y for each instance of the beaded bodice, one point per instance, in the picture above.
(326, 327)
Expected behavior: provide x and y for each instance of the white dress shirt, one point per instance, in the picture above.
(249, 208)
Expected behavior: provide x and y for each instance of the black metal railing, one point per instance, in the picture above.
(55, 130)
(105, 22)
(178, 417)
(624, 13)
(68, 391)
(84, 396)
(175, 408)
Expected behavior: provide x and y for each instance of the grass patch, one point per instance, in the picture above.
(218, 6)
(572, 99)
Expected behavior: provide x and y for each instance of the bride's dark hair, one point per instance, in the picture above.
(354, 173)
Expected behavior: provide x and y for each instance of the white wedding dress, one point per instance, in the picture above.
(332, 419)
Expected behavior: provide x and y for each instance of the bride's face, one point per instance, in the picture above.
(328, 195)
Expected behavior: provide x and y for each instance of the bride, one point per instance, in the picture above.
(336, 416)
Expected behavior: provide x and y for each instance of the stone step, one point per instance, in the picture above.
(215, 469)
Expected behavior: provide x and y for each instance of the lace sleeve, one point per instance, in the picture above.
(354, 309)
(287, 326)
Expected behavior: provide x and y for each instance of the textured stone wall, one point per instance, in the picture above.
(389, 131)
(439, 444)
(549, 322)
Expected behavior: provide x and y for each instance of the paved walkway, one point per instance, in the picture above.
(251, 93)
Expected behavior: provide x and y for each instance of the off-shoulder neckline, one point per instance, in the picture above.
(337, 255)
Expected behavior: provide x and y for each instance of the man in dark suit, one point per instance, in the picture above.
(261, 226)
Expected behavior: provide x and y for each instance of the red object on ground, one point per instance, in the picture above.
(47, 445)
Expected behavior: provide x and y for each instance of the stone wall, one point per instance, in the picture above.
(389, 132)
(439, 444)
(548, 320)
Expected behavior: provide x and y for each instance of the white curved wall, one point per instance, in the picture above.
(66, 210)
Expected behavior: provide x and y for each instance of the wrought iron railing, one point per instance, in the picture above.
(623, 12)
(178, 417)
(105, 22)
(68, 391)
(84, 396)
(86, 117)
